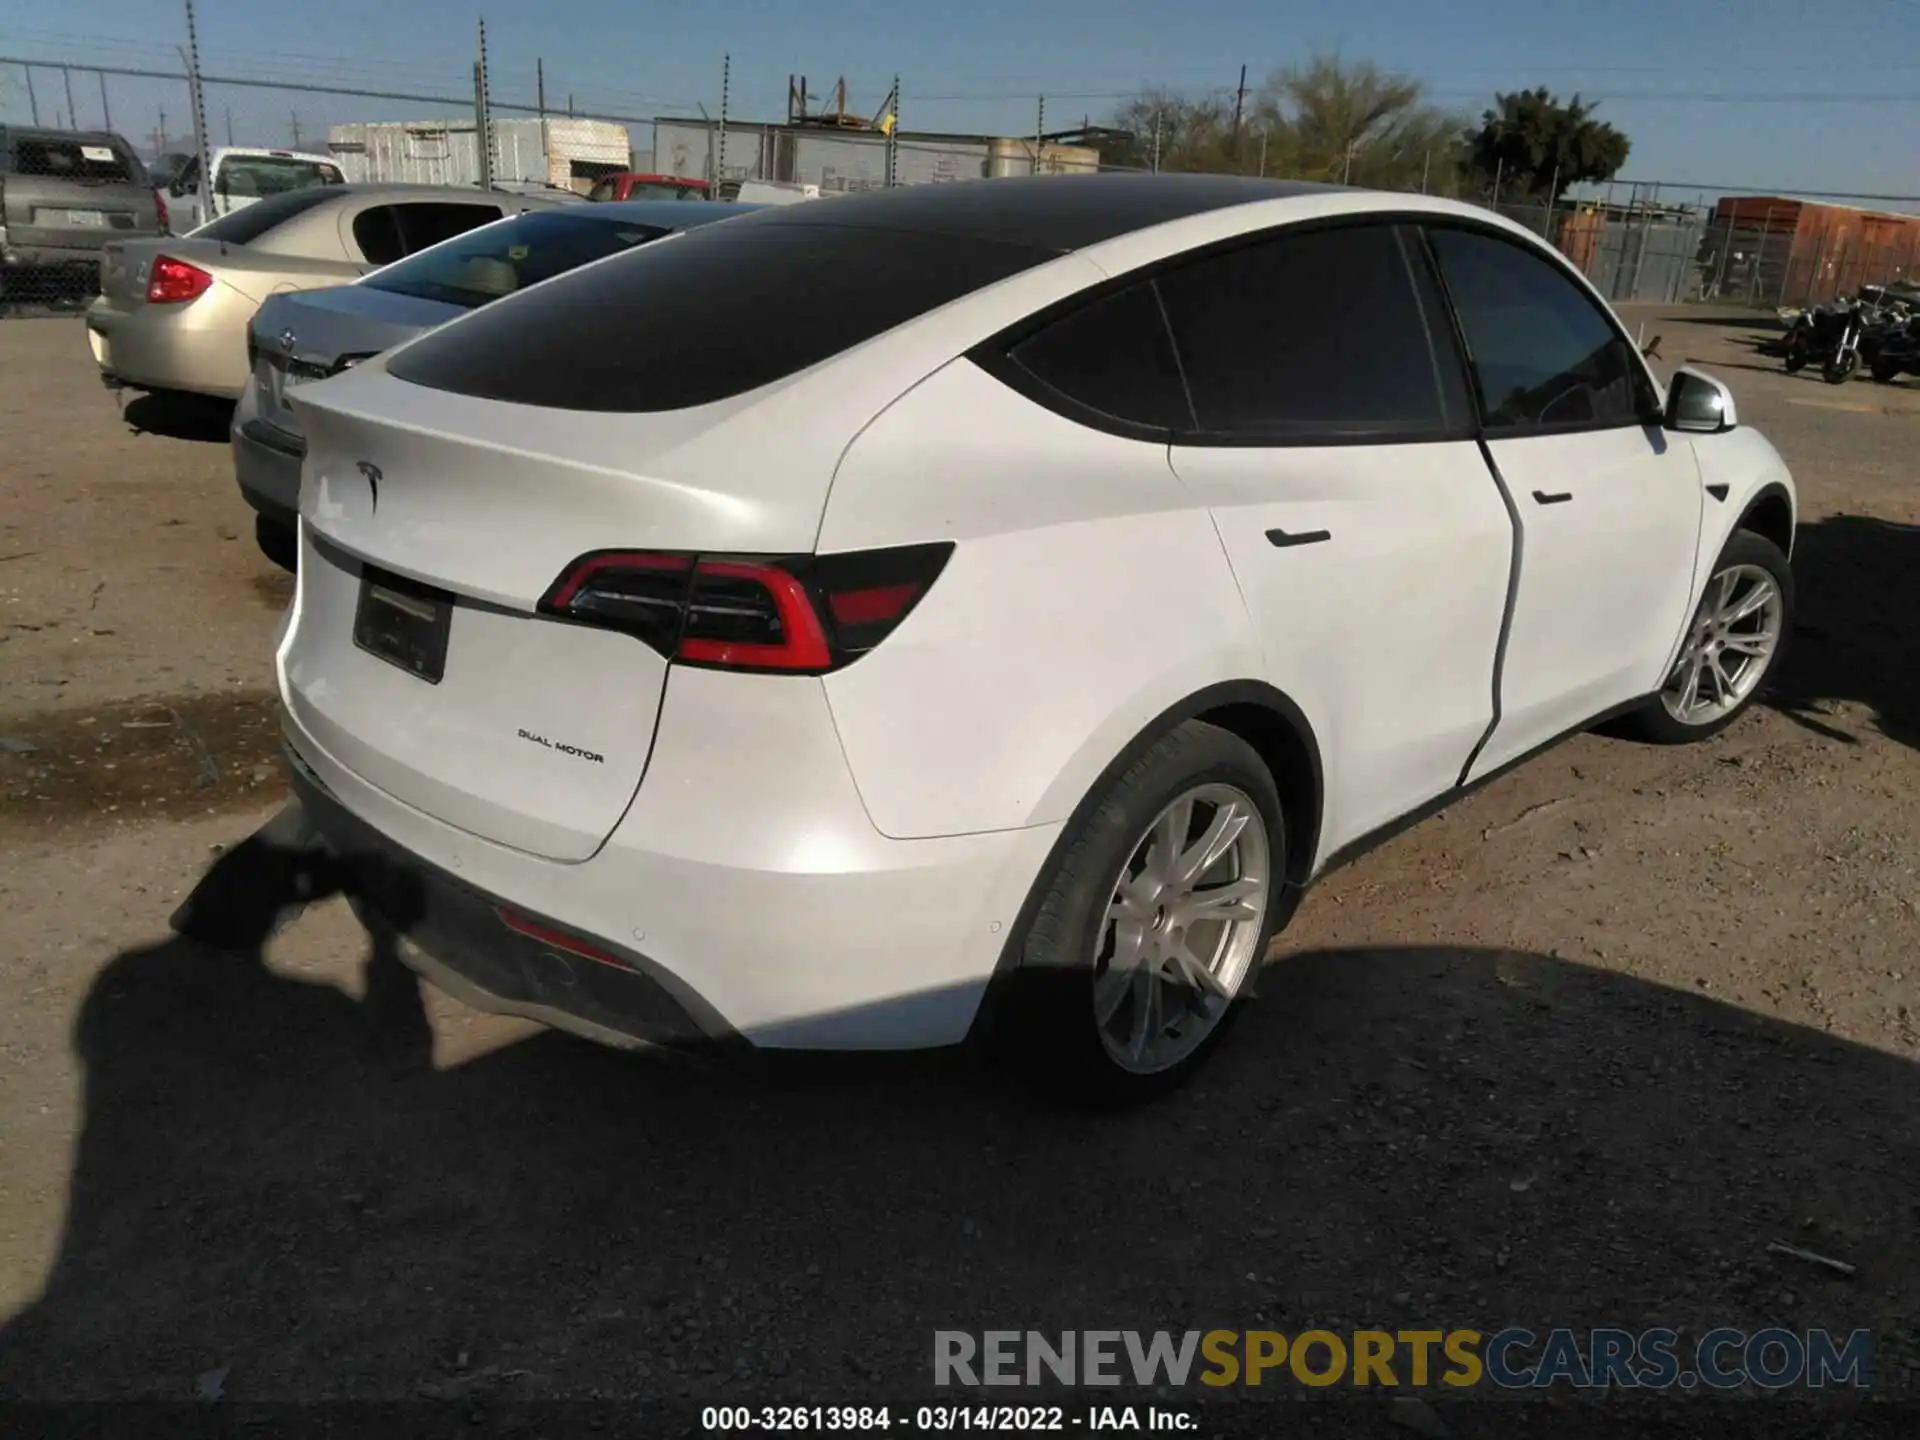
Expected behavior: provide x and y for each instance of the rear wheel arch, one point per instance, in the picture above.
(1278, 730)
(1265, 718)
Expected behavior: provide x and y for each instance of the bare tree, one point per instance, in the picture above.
(1328, 120)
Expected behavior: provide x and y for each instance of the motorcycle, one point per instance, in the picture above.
(1829, 334)
(1897, 354)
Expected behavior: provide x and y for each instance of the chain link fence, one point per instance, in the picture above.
(93, 153)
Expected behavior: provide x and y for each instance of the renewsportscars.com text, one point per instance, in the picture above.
(1515, 1359)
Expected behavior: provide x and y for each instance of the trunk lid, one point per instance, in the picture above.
(538, 731)
(126, 265)
(307, 335)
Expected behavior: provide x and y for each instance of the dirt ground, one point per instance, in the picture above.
(1572, 1053)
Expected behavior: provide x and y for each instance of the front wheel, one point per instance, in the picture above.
(1732, 644)
(1839, 368)
(1152, 921)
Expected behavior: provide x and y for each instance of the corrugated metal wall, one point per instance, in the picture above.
(445, 152)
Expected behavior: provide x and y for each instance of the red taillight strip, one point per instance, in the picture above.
(806, 645)
(864, 607)
(534, 930)
(616, 560)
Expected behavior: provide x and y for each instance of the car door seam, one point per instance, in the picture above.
(1506, 611)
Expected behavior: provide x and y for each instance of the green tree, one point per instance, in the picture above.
(1535, 147)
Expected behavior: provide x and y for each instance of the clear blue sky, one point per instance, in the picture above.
(980, 67)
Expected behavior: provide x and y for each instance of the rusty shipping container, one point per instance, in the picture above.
(1787, 251)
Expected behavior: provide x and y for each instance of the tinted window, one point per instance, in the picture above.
(703, 316)
(1543, 354)
(424, 223)
(72, 159)
(1315, 334)
(490, 263)
(1112, 356)
(250, 223)
(377, 233)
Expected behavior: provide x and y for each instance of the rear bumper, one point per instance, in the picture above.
(745, 884)
(456, 938)
(266, 464)
(63, 256)
(180, 347)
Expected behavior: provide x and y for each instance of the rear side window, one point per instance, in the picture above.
(60, 158)
(498, 260)
(1544, 356)
(244, 226)
(1313, 335)
(1111, 357)
(424, 223)
(377, 233)
(703, 316)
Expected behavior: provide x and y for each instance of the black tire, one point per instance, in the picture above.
(278, 541)
(1795, 359)
(1045, 1009)
(1838, 370)
(1653, 722)
(1884, 371)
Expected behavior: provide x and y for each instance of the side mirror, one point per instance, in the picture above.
(1699, 404)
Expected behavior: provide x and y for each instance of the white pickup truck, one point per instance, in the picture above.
(241, 175)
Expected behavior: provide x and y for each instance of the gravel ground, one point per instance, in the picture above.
(1572, 1053)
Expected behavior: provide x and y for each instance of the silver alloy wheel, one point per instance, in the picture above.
(1729, 645)
(1182, 929)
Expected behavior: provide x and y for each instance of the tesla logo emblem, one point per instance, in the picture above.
(286, 341)
(372, 472)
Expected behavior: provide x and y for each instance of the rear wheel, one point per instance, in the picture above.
(1153, 920)
(1796, 354)
(1733, 643)
(1883, 370)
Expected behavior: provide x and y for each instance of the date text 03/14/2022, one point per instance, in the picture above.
(935, 1419)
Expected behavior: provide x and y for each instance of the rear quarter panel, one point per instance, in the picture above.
(1087, 594)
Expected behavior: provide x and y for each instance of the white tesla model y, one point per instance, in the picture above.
(852, 623)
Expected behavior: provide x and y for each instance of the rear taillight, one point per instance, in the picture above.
(166, 220)
(798, 614)
(172, 281)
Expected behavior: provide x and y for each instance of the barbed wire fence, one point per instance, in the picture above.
(426, 122)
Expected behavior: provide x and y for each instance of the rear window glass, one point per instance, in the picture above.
(259, 176)
(62, 159)
(246, 225)
(494, 262)
(703, 316)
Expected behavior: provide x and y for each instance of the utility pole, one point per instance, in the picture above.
(73, 115)
(106, 111)
(1263, 154)
(893, 138)
(199, 100)
(1039, 129)
(1156, 139)
(483, 113)
(160, 135)
(540, 85)
(294, 116)
(1239, 102)
(33, 101)
(229, 125)
(726, 82)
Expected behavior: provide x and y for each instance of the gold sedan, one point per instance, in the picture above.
(173, 313)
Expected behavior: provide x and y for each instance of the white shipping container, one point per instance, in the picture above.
(560, 150)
